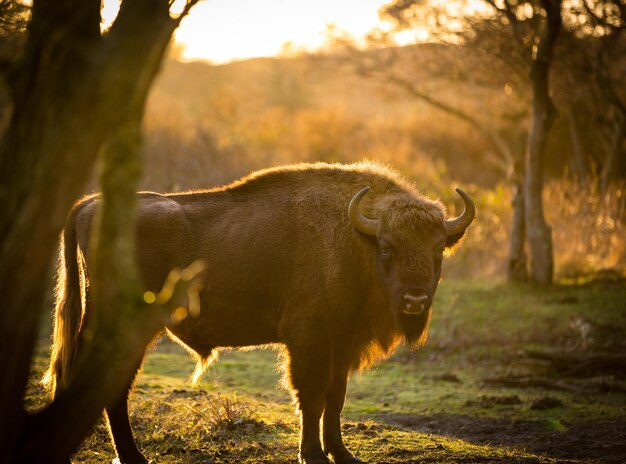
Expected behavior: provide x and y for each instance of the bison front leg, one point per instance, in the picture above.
(333, 444)
(308, 374)
(310, 446)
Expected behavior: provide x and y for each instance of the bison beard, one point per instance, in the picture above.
(338, 264)
(415, 328)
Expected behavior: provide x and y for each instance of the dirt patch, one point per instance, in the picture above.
(487, 401)
(604, 442)
(547, 402)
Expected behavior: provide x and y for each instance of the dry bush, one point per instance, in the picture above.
(588, 231)
(588, 227)
(484, 249)
(224, 413)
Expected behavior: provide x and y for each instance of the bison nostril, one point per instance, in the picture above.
(414, 304)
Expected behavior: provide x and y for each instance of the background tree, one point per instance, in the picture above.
(73, 92)
(517, 40)
(539, 233)
(475, 58)
(587, 66)
(604, 24)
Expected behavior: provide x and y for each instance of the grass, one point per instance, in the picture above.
(434, 405)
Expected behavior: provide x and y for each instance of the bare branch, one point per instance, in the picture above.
(508, 12)
(188, 6)
(506, 158)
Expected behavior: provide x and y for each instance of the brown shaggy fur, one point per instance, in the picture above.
(286, 266)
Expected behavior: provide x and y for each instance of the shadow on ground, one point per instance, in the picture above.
(602, 441)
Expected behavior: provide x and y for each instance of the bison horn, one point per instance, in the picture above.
(360, 222)
(459, 224)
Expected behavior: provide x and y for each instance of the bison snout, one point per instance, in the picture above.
(414, 305)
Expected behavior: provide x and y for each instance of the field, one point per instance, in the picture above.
(476, 393)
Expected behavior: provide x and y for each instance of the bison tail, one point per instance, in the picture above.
(67, 311)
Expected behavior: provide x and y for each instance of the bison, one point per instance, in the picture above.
(338, 264)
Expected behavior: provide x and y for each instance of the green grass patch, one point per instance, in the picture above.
(434, 405)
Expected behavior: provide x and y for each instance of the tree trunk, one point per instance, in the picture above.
(57, 127)
(539, 233)
(517, 265)
(122, 323)
(34, 195)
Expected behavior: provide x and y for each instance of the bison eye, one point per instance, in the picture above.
(385, 253)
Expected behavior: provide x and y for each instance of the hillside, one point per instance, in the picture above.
(219, 122)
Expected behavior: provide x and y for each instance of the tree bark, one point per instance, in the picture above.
(517, 264)
(539, 233)
(33, 194)
(123, 322)
(68, 93)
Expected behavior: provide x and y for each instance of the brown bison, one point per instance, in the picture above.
(336, 263)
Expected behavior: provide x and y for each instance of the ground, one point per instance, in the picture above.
(476, 393)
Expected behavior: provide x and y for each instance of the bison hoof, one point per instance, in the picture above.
(313, 458)
(348, 458)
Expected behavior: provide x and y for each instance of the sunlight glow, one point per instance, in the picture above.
(220, 30)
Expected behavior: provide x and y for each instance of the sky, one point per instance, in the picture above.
(224, 30)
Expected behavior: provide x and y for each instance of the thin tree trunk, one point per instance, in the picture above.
(517, 264)
(539, 233)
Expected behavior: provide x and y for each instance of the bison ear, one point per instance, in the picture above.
(453, 239)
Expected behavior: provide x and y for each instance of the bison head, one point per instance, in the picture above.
(411, 238)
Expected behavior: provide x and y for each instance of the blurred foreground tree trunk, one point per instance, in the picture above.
(544, 112)
(73, 91)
